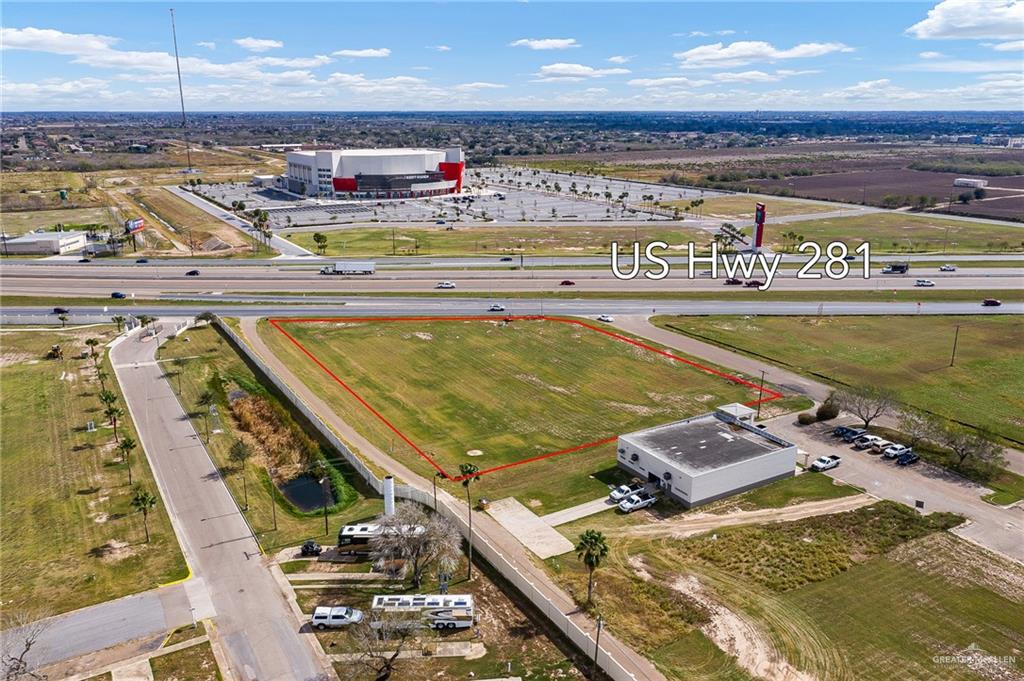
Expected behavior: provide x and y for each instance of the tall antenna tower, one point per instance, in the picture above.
(181, 94)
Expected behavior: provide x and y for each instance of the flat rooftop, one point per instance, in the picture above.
(704, 443)
(374, 152)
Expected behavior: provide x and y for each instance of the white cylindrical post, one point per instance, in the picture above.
(389, 495)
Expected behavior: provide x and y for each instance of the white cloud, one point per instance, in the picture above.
(574, 72)
(703, 34)
(545, 43)
(479, 85)
(931, 55)
(620, 59)
(965, 66)
(420, 68)
(369, 53)
(1013, 46)
(670, 81)
(966, 19)
(758, 76)
(258, 44)
(292, 62)
(439, 48)
(745, 52)
(208, 45)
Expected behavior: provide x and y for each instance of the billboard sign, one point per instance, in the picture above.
(134, 225)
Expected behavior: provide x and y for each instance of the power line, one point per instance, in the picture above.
(181, 93)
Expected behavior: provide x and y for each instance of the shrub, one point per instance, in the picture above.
(828, 410)
(806, 418)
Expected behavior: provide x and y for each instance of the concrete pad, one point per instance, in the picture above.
(589, 508)
(135, 671)
(528, 528)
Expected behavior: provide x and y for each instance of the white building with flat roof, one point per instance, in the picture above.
(46, 243)
(375, 173)
(707, 457)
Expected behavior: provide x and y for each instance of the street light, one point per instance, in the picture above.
(273, 500)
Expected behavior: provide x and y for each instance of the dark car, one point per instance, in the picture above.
(506, 259)
(751, 283)
(84, 260)
(732, 281)
(907, 458)
(311, 548)
(841, 431)
(567, 282)
(61, 310)
(117, 295)
(192, 273)
(991, 302)
(853, 434)
(142, 261)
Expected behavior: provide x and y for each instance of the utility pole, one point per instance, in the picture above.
(181, 93)
(760, 396)
(597, 645)
(956, 337)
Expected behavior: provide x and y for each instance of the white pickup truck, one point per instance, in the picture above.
(824, 463)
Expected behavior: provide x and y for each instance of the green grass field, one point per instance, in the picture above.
(509, 392)
(70, 536)
(738, 206)
(474, 240)
(195, 663)
(207, 352)
(910, 355)
(20, 222)
(901, 232)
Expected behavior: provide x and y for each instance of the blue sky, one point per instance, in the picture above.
(954, 54)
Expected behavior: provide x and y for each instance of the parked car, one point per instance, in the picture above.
(496, 307)
(732, 281)
(61, 310)
(824, 463)
(751, 283)
(142, 261)
(623, 491)
(853, 434)
(606, 318)
(445, 284)
(326, 616)
(843, 431)
(567, 282)
(880, 445)
(948, 268)
(896, 451)
(865, 441)
(991, 302)
(311, 548)
(907, 458)
(117, 295)
(192, 273)
(634, 502)
(927, 283)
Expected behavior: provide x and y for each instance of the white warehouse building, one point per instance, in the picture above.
(375, 173)
(707, 457)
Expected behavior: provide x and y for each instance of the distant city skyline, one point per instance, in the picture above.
(957, 54)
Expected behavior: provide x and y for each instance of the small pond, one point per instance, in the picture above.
(305, 493)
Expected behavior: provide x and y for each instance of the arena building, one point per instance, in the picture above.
(375, 173)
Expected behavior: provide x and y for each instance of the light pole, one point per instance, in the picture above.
(436, 476)
(956, 337)
(273, 500)
(760, 395)
(597, 644)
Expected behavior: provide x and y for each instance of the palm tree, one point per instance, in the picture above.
(144, 501)
(591, 549)
(102, 377)
(179, 363)
(63, 320)
(119, 320)
(469, 473)
(240, 453)
(107, 397)
(126, 447)
(146, 320)
(113, 413)
(92, 343)
(204, 401)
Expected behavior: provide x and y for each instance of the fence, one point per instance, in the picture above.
(581, 639)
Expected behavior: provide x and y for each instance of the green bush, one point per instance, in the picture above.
(828, 410)
(806, 418)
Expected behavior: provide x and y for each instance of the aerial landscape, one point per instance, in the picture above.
(512, 341)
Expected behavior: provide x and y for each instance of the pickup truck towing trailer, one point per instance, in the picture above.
(351, 267)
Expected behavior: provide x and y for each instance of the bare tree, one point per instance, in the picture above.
(379, 644)
(439, 543)
(867, 403)
(966, 444)
(18, 642)
(918, 426)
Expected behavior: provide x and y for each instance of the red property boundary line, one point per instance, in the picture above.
(767, 394)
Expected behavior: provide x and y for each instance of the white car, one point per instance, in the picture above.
(496, 307)
(704, 273)
(824, 463)
(924, 282)
(634, 502)
(623, 491)
(342, 616)
(607, 318)
(445, 284)
(948, 268)
(866, 441)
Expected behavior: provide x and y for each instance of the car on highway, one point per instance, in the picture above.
(752, 283)
(311, 548)
(142, 261)
(117, 295)
(623, 491)
(192, 273)
(340, 616)
(733, 281)
(567, 282)
(634, 502)
(824, 463)
(896, 451)
(61, 310)
(991, 302)
(606, 318)
(84, 260)
(865, 441)
(704, 273)
(496, 307)
(439, 222)
(445, 284)
(927, 283)
(506, 259)
(947, 268)
(907, 458)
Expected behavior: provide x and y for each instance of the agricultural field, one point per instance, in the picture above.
(905, 233)
(491, 393)
(909, 355)
(805, 595)
(1006, 207)
(20, 222)
(472, 240)
(70, 535)
(202, 360)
